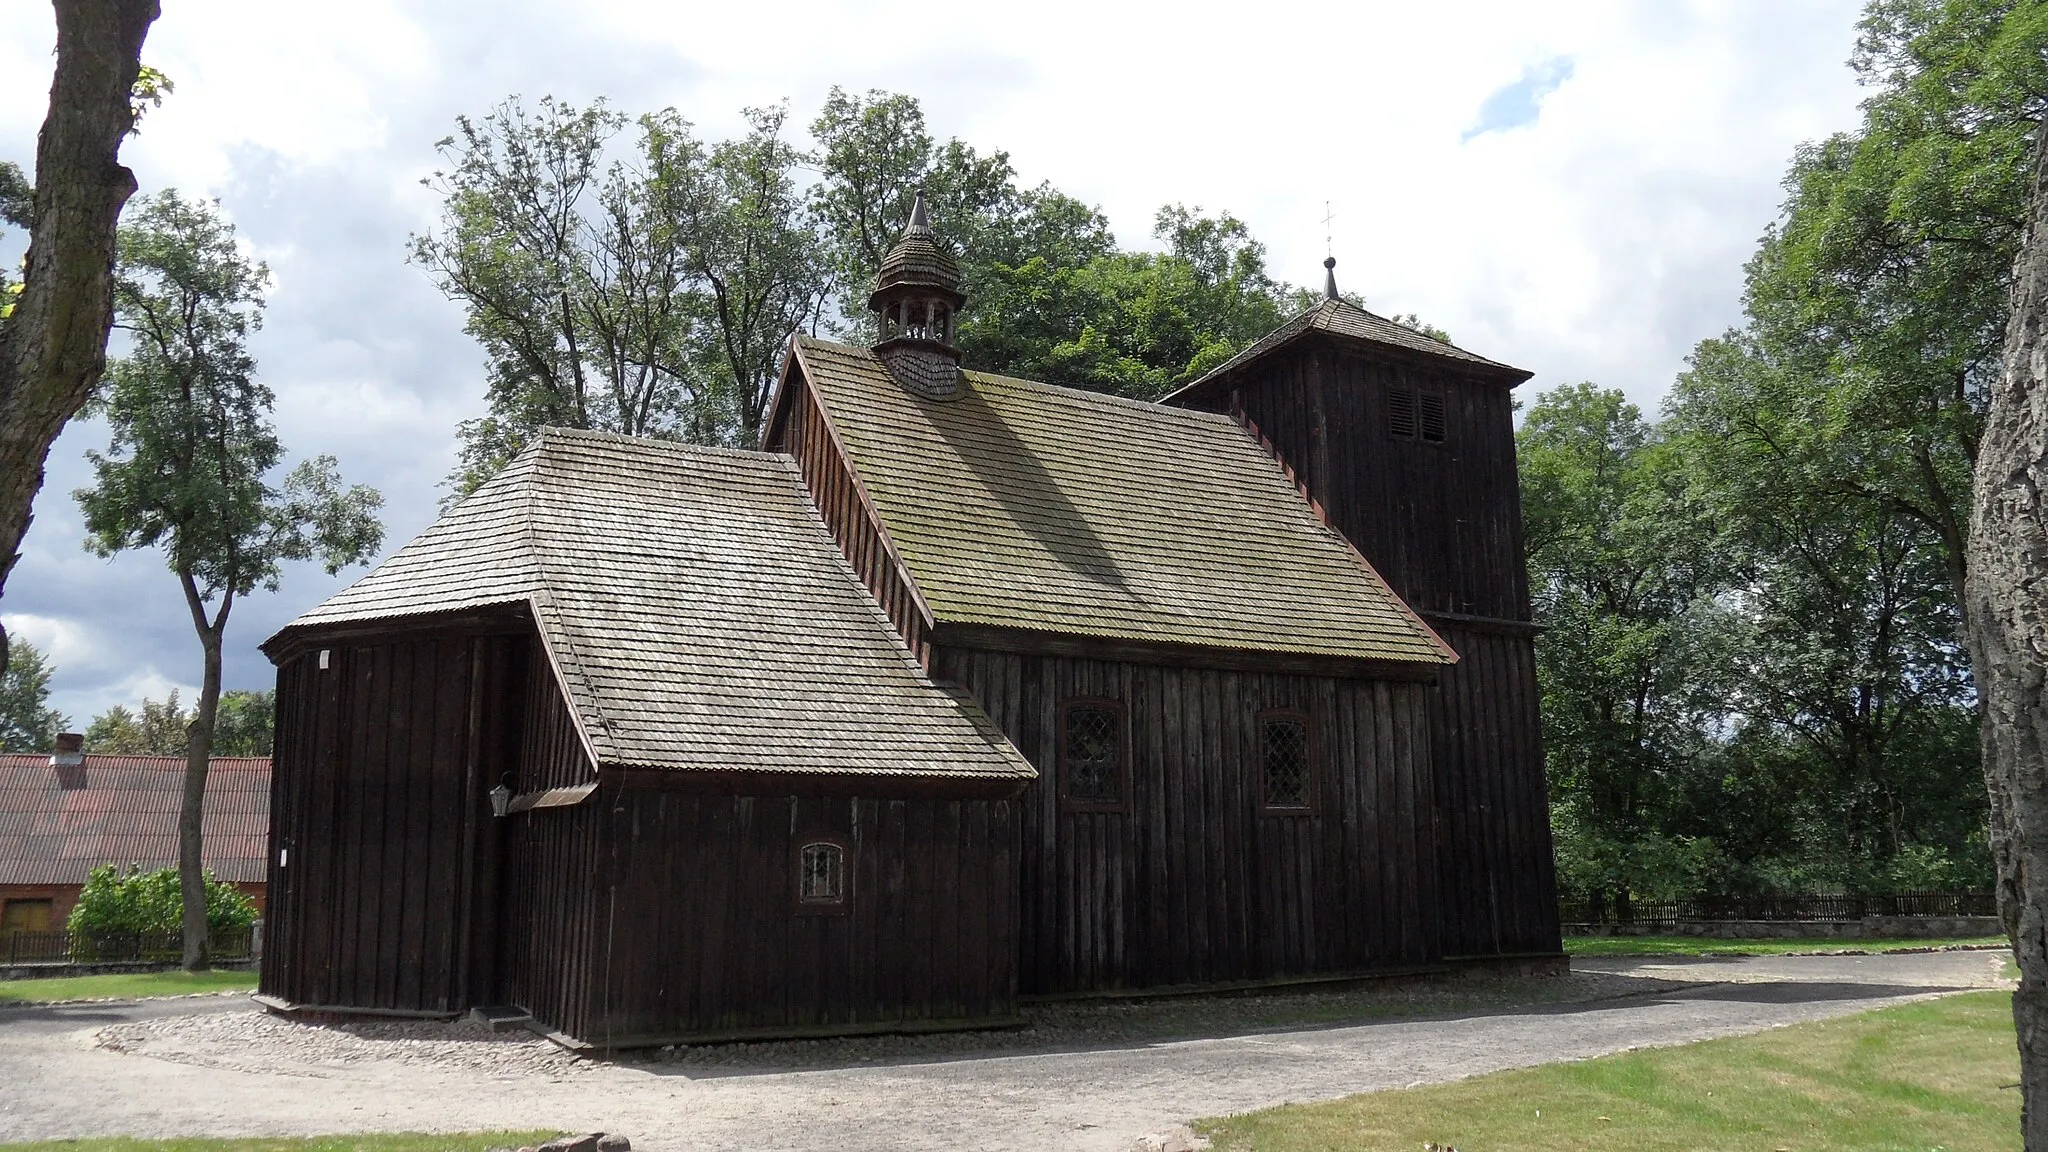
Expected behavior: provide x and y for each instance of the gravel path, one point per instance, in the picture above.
(1094, 1077)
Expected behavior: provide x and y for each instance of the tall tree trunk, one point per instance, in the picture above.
(2007, 620)
(198, 758)
(54, 346)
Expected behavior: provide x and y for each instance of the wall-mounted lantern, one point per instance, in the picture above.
(501, 800)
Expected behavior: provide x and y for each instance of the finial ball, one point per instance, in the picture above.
(1329, 261)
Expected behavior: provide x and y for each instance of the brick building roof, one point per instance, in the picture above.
(57, 824)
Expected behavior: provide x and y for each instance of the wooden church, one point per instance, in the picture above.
(965, 690)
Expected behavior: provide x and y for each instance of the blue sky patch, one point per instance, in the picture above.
(1521, 102)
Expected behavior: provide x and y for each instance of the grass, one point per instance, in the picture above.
(124, 986)
(396, 1142)
(1710, 946)
(1926, 1077)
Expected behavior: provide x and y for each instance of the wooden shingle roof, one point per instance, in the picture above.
(1025, 505)
(57, 824)
(1345, 320)
(697, 610)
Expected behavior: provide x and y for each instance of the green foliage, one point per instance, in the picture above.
(1820, 458)
(191, 437)
(151, 86)
(1877, 302)
(1743, 690)
(114, 900)
(648, 297)
(1622, 573)
(27, 722)
(654, 295)
(17, 206)
(242, 727)
(158, 731)
(245, 723)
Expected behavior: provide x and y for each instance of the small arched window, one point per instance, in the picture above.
(821, 878)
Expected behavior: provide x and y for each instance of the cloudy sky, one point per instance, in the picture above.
(1570, 187)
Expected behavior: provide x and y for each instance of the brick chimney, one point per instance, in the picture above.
(69, 760)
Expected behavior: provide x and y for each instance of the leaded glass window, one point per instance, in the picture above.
(1286, 756)
(821, 874)
(1092, 753)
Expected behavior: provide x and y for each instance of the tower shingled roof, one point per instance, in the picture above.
(917, 260)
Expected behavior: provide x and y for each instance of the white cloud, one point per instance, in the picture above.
(1599, 241)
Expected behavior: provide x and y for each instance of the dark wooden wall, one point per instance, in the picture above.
(1498, 877)
(379, 798)
(551, 913)
(705, 937)
(1190, 884)
(805, 435)
(1442, 523)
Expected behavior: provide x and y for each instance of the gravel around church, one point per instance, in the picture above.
(1100, 1077)
(256, 1041)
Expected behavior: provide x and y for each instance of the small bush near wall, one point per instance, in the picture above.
(137, 901)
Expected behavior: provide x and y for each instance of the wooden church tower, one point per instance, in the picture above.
(1408, 445)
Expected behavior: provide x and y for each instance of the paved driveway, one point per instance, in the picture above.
(57, 1080)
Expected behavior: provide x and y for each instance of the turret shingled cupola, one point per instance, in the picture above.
(917, 295)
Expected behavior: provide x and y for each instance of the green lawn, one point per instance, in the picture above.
(398, 1142)
(1929, 1077)
(1708, 946)
(126, 985)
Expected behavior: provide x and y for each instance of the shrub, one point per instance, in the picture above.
(138, 901)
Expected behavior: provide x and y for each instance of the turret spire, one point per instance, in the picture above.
(917, 296)
(1330, 277)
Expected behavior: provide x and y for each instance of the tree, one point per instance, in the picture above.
(1880, 295)
(1622, 573)
(245, 723)
(27, 722)
(757, 254)
(2007, 617)
(1848, 627)
(649, 298)
(159, 730)
(53, 331)
(191, 448)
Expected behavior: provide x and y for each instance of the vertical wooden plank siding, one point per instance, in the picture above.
(699, 931)
(831, 483)
(1442, 523)
(552, 908)
(374, 781)
(1191, 883)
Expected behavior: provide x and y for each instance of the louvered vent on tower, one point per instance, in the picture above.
(1433, 417)
(1401, 413)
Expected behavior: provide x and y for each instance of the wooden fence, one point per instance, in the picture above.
(1835, 907)
(65, 947)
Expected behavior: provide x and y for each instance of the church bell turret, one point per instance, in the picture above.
(917, 299)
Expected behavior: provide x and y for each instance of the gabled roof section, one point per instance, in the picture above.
(1343, 319)
(1025, 505)
(697, 610)
(57, 825)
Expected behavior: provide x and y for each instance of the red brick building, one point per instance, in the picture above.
(63, 815)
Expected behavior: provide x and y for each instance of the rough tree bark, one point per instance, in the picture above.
(54, 346)
(2007, 621)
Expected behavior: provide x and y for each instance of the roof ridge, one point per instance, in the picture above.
(655, 443)
(1085, 394)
